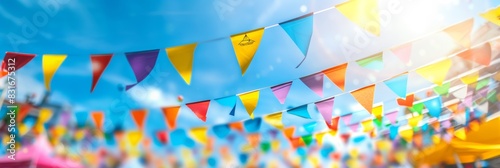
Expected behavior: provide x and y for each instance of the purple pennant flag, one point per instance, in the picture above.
(314, 82)
(393, 116)
(281, 91)
(325, 108)
(142, 62)
(347, 119)
(354, 127)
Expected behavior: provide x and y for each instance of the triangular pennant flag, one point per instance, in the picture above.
(363, 13)
(393, 131)
(245, 46)
(460, 134)
(238, 126)
(265, 146)
(199, 135)
(482, 83)
(492, 15)
(347, 119)
(365, 96)
(417, 108)
(171, 115)
(408, 102)
(200, 109)
(15, 60)
(229, 101)
(373, 62)
(471, 78)
(403, 52)
(314, 82)
(250, 101)
(398, 84)
(337, 75)
(413, 122)
(181, 58)
(367, 125)
(50, 64)
(443, 89)
(461, 32)
(325, 108)
(300, 111)
(345, 138)
(243, 158)
(393, 116)
(460, 93)
(453, 107)
(139, 116)
(480, 54)
(319, 138)
(378, 122)
(221, 131)
(252, 125)
(281, 91)
(99, 64)
(274, 120)
(134, 137)
(407, 135)
(162, 137)
(354, 127)
(307, 139)
(434, 106)
(98, 118)
(253, 139)
(436, 73)
(309, 127)
(300, 31)
(288, 132)
(335, 124)
(142, 63)
(378, 111)
(81, 119)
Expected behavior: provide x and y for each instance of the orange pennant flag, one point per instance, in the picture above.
(453, 107)
(98, 118)
(238, 126)
(337, 75)
(480, 55)
(253, 139)
(365, 96)
(171, 115)
(139, 116)
(289, 132)
(461, 32)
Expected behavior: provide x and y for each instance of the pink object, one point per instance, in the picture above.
(393, 116)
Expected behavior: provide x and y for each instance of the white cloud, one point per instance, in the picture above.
(152, 97)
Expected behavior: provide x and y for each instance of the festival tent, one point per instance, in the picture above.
(483, 144)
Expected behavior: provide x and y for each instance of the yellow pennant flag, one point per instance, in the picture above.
(471, 78)
(367, 125)
(407, 135)
(199, 134)
(182, 59)
(44, 115)
(436, 139)
(50, 64)
(245, 46)
(274, 120)
(436, 73)
(460, 134)
(319, 138)
(378, 111)
(364, 13)
(23, 129)
(413, 122)
(134, 137)
(492, 16)
(250, 101)
(275, 145)
(79, 134)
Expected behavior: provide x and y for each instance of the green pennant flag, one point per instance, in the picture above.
(265, 146)
(417, 108)
(443, 89)
(307, 139)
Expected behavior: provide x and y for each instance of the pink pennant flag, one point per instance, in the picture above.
(314, 82)
(347, 119)
(393, 116)
(354, 127)
(403, 52)
(446, 124)
(281, 91)
(325, 108)
(467, 101)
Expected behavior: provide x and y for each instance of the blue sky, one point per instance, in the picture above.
(81, 28)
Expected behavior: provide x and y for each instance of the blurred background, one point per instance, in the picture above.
(236, 83)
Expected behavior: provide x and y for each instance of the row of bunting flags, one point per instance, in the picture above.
(245, 46)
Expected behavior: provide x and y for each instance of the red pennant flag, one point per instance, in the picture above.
(171, 115)
(200, 109)
(162, 136)
(408, 102)
(345, 138)
(337, 75)
(335, 123)
(15, 60)
(99, 63)
(139, 116)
